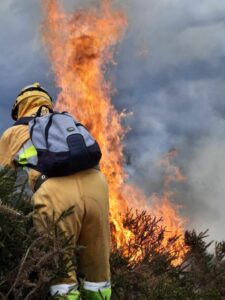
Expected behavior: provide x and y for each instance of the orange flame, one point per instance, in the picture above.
(81, 47)
(163, 207)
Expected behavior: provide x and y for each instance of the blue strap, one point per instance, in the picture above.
(23, 121)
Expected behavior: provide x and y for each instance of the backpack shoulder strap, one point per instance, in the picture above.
(23, 121)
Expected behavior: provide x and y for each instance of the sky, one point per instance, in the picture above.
(170, 74)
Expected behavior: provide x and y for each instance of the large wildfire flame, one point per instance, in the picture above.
(80, 47)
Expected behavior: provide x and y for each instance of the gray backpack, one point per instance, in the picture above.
(64, 146)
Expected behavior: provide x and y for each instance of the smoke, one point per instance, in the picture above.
(22, 59)
(206, 180)
(170, 74)
(176, 91)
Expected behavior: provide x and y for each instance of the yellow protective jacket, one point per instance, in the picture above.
(86, 191)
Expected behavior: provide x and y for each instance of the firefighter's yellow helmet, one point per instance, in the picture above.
(31, 90)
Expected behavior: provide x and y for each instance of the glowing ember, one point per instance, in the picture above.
(81, 46)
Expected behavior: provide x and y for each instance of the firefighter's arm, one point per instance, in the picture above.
(10, 143)
(6, 158)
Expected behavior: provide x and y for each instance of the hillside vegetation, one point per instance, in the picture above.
(29, 262)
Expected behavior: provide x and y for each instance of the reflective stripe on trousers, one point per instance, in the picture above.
(92, 290)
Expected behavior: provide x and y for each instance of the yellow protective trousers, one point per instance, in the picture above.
(87, 191)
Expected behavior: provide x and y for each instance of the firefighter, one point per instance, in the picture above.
(86, 190)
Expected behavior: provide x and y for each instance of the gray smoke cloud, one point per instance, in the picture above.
(176, 91)
(170, 74)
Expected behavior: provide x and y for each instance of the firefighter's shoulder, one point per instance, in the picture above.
(14, 137)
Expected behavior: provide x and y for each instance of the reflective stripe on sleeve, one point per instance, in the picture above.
(28, 153)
